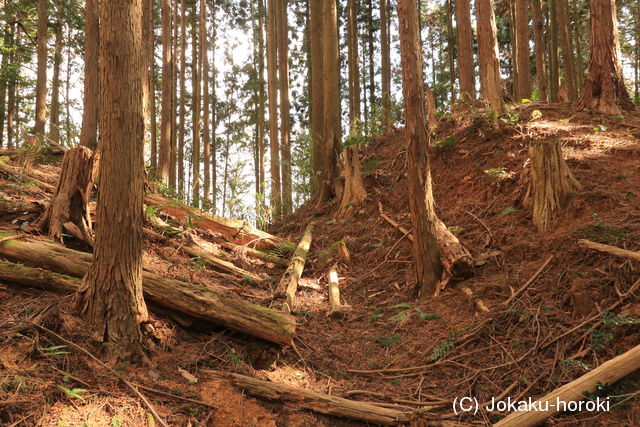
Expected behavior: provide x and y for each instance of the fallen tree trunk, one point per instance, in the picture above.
(37, 277)
(239, 232)
(254, 253)
(191, 299)
(288, 284)
(335, 308)
(12, 170)
(456, 259)
(607, 373)
(202, 249)
(317, 402)
(611, 250)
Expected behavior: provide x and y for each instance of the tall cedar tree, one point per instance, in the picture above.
(110, 296)
(522, 50)
(421, 203)
(538, 37)
(204, 72)
(41, 80)
(568, 62)
(173, 157)
(4, 77)
(164, 157)
(465, 50)
(285, 105)
(272, 78)
(317, 94)
(195, 87)
(490, 81)
(385, 50)
(605, 90)
(148, 83)
(354, 190)
(183, 97)
(54, 120)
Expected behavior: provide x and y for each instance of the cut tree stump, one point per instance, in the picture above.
(69, 207)
(238, 232)
(288, 284)
(335, 308)
(551, 185)
(191, 299)
(456, 259)
(611, 250)
(317, 402)
(607, 373)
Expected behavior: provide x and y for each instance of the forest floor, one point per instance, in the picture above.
(389, 348)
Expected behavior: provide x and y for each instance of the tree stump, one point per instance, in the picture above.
(69, 207)
(551, 185)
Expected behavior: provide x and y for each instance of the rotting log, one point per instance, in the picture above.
(317, 402)
(201, 248)
(191, 299)
(12, 170)
(456, 259)
(288, 284)
(239, 232)
(37, 277)
(255, 253)
(611, 250)
(607, 373)
(551, 185)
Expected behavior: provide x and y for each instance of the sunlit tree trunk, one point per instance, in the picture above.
(214, 117)
(90, 97)
(182, 108)
(164, 157)
(41, 80)
(421, 203)
(4, 76)
(465, 50)
(371, 52)
(317, 94)
(285, 107)
(568, 60)
(605, 89)
(522, 51)
(260, 124)
(11, 89)
(54, 121)
(450, 50)
(490, 80)
(538, 37)
(554, 60)
(195, 107)
(272, 78)
(206, 142)
(110, 297)
(149, 81)
(385, 49)
(173, 157)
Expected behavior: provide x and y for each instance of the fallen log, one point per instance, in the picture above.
(607, 373)
(317, 402)
(27, 177)
(288, 284)
(455, 258)
(191, 299)
(239, 232)
(611, 250)
(202, 249)
(335, 308)
(37, 277)
(254, 253)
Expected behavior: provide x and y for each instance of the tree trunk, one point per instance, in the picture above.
(522, 51)
(195, 88)
(41, 80)
(149, 86)
(421, 203)
(385, 49)
(68, 210)
(450, 50)
(110, 297)
(187, 298)
(465, 51)
(272, 77)
(354, 190)
(91, 97)
(317, 95)
(183, 95)
(54, 121)
(371, 52)
(4, 75)
(538, 37)
(490, 81)
(11, 95)
(552, 183)
(568, 59)
(206, 141)
(214, 117)
(173, 157)
(261, 184)
(331, 101)
(164, 156)
(554, 60)
(605, 89)
(285, 107)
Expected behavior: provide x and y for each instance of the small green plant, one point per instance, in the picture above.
(444, 347)
(73, 392)
(446, 143)
(428, 316)
(235, 359)
(197, 263)
(53, 350)
(609, 318)
(401, 305)
(509, 210)
(511, 117)
(388, 341)
(573, 363)
(536, 115)
(600, 128)
(618, 392)
(618, 117)
(398, 317)
(623, 176)
(115, 422)
(375, 314)
(601, 232)
(599, 339)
